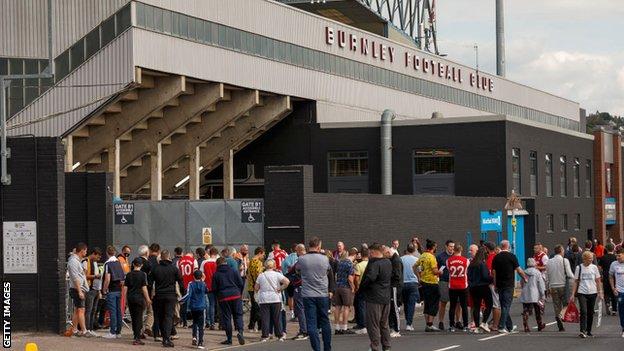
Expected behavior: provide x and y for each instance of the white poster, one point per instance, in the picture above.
(20, 247)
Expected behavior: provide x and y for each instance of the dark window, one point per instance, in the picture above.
(548, 172)
(348, 172)
(434, 172)
(536, 224)
(76, 54)
(577, 221)
(533, 170)
(577, 176)
(31, 90)
(550, 223)
(61, 65)
(588, 177)
(348, 164)
(124, 19)
(4, 66)
(108, 31)
(93, 42)
(564, 222)
(563, 176)
(515, 171)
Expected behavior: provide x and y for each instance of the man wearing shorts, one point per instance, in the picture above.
(78, 289)
(345, 290)
(428, 274)
(442, 257)
(496, 308)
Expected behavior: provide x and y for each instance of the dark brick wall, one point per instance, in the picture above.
(88, 209)
(37, 193)
(525, 138)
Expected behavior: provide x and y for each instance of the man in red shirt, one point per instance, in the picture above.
(187, 265)
(209, 267)
(278, 255)
(457, 266)
(496, 308)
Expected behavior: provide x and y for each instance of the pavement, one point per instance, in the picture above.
(607, 337)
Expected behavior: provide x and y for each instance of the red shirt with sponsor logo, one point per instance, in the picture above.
(187, 265)
(458, 272)
(209, 267)
(278, 256)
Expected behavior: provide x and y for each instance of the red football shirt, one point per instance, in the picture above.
(209, 267)
(279, 256)
(489, 261)
(187, 265)
(458, 272)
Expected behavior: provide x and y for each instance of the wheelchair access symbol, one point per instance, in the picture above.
(251, 211)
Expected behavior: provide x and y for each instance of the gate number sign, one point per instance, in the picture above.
(251, 211)
(124, 213)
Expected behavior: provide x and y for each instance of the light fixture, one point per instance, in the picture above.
(76, 165)
(181, 182)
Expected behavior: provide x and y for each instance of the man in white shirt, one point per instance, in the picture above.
(616, 278)
(558, 271)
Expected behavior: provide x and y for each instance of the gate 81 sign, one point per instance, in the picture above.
(251, 211)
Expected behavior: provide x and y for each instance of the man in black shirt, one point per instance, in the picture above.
(151, 324)
(375, 289)
(504, 267)
(135, 293)
(604, 263)
(165, 276)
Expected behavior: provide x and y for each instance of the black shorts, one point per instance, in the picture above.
(290, 290)
(431, 296)
(78, 302)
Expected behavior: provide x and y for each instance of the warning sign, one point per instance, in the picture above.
(124, 213)
(207, 236)
(251, 211)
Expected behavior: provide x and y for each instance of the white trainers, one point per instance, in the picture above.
(409, 328)
(623, 334)
(485, 327)
(395, 334)
(264, 340)
(282, 339)
(361, 331)
(109, 336)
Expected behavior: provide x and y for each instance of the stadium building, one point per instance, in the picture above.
(195, 99)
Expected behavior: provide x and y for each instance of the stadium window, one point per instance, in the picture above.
(348, 171)
(92, 42)
(140, 14)
(588, 177)
(577, 222)
(564, 222)
(536, 223)
(108, 31)
(563, 176)
(434, 172)
(124, 19)
(76, 54)
(577, 176)
(159, 20)
(515, 171)
(548, 168)
(167, 22)
(61, 65)
(533, 172)
(550, 223)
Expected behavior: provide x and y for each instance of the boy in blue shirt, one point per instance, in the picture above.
(196, 300)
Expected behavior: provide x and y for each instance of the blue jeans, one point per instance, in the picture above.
(212, 305)
(299, 311)
(315, 309)
(620, 301)
(113, 305)
(506, 298)
(410, 298)
(360, 308)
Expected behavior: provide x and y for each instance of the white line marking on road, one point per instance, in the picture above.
(495, 336)
(547, 324)
(448, 348)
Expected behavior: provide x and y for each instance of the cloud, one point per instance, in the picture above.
(571, 48)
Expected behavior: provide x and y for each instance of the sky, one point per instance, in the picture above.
(571, 48)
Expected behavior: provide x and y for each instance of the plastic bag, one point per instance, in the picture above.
(599, 304)
(571, 314)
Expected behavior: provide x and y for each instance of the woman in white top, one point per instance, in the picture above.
(587, 286)
(269, 286)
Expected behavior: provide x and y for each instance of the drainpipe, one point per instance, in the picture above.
(386, 151)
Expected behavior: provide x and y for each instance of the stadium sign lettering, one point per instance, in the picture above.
(383, 52)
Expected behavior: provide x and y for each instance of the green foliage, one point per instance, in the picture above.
(597, 119)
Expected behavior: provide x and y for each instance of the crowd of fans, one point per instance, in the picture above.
(375, 283)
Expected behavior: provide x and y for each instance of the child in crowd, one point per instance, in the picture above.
(196, 300)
